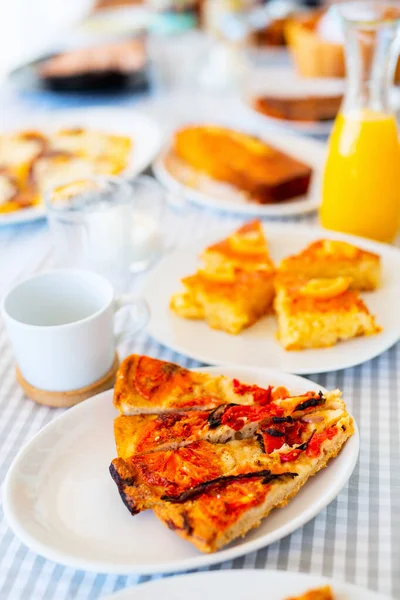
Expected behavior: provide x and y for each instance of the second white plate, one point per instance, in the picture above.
(258, 346)
(61, 502)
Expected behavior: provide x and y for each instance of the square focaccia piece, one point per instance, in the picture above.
(318, 313)
(234, 286)
(330, 258)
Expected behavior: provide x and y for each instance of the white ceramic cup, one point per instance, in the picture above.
(61, 326)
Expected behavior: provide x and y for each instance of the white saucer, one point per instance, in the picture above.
(235, 585)
(258, 346)
(60, 500)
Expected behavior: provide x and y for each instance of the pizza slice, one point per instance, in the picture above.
(211, 516)
(146, 385)
(234, 286)
(169, 431)
(147, 479)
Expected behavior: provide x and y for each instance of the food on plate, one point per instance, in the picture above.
(257, 169)
(318, 313)
(146, 433)
(32, 162)
(106, 152)
(315, 40)
(272, 34)
(146, 385)
(234, 286)
(330, 258)
(307, 108)
(57, 167)
(323, 593)
(125, 56)
(213, 475)
(13, 194)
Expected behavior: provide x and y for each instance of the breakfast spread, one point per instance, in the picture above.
(262, 173)
(322, 593)
(315, 293)
(32, 161)
(213, 473)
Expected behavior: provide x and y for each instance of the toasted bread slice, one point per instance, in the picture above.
(151, 386)
(320, 312)
(265, 173)
(234, 287)
(169, 431)
(233, 507)
(329, 258)
(308, 108)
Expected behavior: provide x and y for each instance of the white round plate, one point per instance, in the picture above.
(258, 346)
(145, 134)
(235, 585)
(59, 498)
(219, 196)
(284, 82)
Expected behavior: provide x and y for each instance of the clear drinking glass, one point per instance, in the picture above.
(108, 225)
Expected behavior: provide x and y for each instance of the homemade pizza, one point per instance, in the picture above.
(213, 467)
(32, 162)
(314, 294)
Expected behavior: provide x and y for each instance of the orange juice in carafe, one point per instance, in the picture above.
(361, 188)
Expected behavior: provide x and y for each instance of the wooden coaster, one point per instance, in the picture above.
(72, 397)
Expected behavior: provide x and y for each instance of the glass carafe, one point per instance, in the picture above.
(361, 188)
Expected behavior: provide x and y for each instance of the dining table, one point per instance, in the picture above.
(356, 538)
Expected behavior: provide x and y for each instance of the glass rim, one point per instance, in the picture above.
(361, 12)
(122, 184)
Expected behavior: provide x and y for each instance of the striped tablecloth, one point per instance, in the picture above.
(356, 538)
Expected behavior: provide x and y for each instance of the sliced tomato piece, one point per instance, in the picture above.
(314, 446)
(151, 374)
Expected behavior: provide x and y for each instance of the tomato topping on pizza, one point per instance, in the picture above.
(178, 470)
(314, 446)
(151, 374)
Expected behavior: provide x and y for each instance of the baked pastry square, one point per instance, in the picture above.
(330, 258)
(317, 313)
(234, 287)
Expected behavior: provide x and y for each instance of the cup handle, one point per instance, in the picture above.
(139, 309)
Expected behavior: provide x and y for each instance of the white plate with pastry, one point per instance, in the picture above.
(38, 152)
(60, 500)
(235, 584)
(294, 189)
(257, 345)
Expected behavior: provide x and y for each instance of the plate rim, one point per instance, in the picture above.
(293, 208)
(352, 447)
(264, 574)
(392, 337)
(35, 213)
